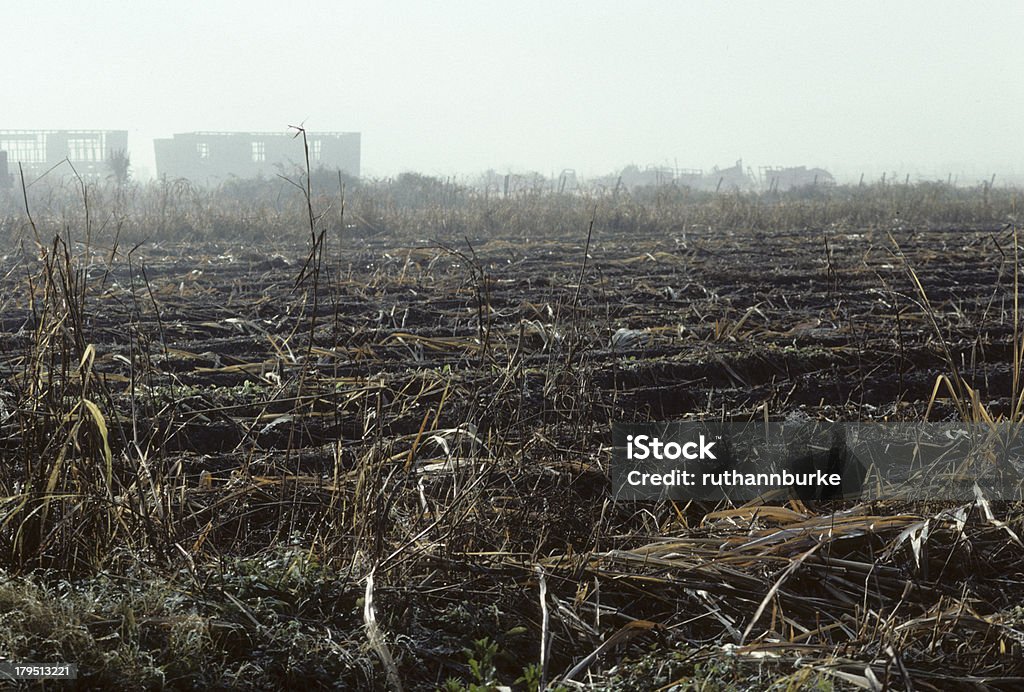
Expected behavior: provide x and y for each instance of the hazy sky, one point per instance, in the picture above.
(922, 87)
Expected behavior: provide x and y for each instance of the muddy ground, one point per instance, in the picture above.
(439, 415)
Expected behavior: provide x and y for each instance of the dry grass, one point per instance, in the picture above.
(347, 463)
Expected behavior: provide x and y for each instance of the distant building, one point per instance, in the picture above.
(692, 178)
(734, 178)
(210, 157)
(632, 177)
(781, 179)
(5, 177)
(89, 151)
(731, 179)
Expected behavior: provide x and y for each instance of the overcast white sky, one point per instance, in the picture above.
(924, 87)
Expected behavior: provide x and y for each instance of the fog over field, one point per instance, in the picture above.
(926, 89)
(490, 346)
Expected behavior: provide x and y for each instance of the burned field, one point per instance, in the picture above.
(380, 458)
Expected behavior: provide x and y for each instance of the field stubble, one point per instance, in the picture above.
(357, 488)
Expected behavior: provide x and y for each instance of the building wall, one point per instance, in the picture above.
(782, 179)
(212, 157)
(37, 151)
(5, 176)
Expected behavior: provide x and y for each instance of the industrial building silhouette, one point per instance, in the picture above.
(202, 157)
(210, 157)
(91, 152)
